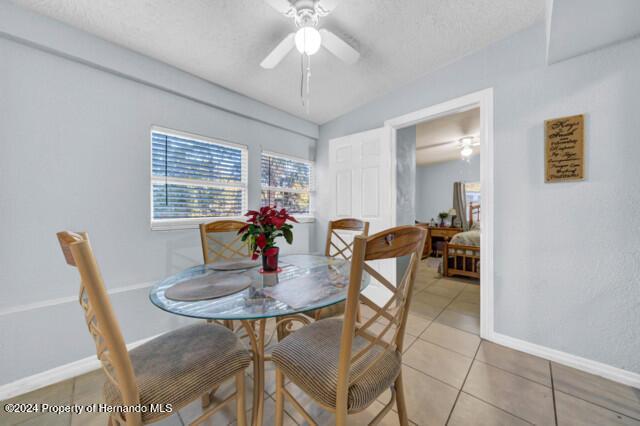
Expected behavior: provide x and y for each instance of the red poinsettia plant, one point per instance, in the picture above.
(263, 227)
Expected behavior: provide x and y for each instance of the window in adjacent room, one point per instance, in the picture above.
(287, 182)
(472, 189)
(194, 178)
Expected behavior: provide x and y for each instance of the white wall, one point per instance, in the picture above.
(74, 154)
(566, 254)
(434, 185)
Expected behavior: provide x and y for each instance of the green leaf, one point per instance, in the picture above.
(288, 235)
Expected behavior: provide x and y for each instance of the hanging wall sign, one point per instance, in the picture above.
(564, 149)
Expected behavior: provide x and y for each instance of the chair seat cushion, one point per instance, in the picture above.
(180, 366)
(309, 357)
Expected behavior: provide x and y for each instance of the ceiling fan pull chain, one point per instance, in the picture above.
(302, 79)
(308, 82)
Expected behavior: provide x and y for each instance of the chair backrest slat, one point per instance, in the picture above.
(342, 248)
(101, 321)
(215, 248)
(389, 244)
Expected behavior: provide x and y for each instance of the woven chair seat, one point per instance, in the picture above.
(180, 366)
(309, 357)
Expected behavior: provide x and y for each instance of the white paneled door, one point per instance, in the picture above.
(360, 173)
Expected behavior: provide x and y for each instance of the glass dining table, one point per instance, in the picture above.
(303, 283)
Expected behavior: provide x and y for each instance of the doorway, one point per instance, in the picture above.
(482, 100)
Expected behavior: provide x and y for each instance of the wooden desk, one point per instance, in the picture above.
(436, 232)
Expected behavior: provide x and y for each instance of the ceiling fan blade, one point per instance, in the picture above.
(339, 47)
(278, 54)
(435, 145)
(282, 6)
(327, 6)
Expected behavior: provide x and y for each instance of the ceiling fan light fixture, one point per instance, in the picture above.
(308, 40)
(465, 144)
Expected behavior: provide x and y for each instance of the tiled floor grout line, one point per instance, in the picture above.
(429, 376)
(410, 345)
(511, 372)
(73, 397)
(600, 406)
(444, 309)
(553, 394)
(453, 407)
(477, 397)
(444, 347)
(496, 407)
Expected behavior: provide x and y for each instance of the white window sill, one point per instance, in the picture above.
(175, 224)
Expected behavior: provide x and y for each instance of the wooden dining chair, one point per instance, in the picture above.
(175, 368)
(217, 248)
(338, 247)
(220, 243)
(345, 365)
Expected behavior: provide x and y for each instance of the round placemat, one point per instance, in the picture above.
(211, 286)
(234, 265)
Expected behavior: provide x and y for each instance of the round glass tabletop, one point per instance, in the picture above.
(306, 283)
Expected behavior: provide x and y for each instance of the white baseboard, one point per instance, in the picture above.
(56, 375)
(593, 367)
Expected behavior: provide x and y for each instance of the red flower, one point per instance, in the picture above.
(278, 221)
(261, 241)
(254, 256)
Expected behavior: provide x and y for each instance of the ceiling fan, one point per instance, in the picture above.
(308, 39)
(465, 144)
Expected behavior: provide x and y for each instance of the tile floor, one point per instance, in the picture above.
(451, 377)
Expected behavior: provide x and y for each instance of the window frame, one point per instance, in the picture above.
(194, 222)
(308, 217)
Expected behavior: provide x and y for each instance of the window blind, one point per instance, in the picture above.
(196, 177)
(286, 182)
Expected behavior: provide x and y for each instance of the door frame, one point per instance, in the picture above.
(484, 100)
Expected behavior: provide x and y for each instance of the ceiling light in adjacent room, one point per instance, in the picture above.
(308, 40)
(465, 147)
(466, 151)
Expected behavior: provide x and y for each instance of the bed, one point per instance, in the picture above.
(462, 253)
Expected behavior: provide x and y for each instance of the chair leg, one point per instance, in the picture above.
(241, 412)
(341, 418)
(279, 397)
(205, 400)
(400, 401)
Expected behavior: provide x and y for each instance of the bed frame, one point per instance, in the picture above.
(460, 259)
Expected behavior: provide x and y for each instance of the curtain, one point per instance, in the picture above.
(460, 203)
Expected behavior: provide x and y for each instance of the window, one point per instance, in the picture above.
(287, 182)
(194, 177)
(472, 189)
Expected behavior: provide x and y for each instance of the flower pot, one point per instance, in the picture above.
(270, 259)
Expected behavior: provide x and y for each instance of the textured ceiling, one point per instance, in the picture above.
(441, 130)
(224, 41)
